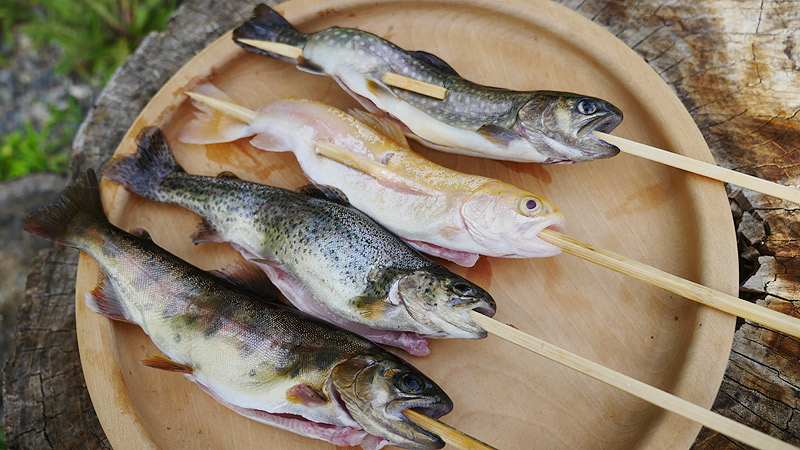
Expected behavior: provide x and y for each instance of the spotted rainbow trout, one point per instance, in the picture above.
(262, 359)
(475, 120)
(326, 257)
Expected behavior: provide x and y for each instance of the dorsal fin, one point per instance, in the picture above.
(326, 192)
(249, 276)
(435, 61)
(383, 125)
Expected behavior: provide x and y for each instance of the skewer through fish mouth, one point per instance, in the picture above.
(535, 244)
(605, 123)
(440, 302)
(375, 391)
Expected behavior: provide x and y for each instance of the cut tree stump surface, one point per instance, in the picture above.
(735, 65)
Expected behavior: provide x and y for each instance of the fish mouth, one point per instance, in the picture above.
(538, 247)
(603, 123)
(431, 408)
(462, 326)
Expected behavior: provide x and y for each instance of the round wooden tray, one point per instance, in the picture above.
(503, 395)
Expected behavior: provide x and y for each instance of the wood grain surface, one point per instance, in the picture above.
(714, 55)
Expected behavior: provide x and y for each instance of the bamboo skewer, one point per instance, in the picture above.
(685, 288)
(231, 109)
(448, 434)
(278, 48)
(632, 386)
(702, 168)
(691, 290)
(410, 84)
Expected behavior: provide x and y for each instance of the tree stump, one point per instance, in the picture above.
(734, 64)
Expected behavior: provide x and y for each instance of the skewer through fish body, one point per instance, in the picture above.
(264, 360)
(475, 120)
(327, 258)
(439, 211)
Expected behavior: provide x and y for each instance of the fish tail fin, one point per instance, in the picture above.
(213, 122)
(66, 221)
(267, 25)
(144, 171)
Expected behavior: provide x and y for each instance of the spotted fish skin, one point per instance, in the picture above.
(359, 271)
(258, 357)
(472, 119)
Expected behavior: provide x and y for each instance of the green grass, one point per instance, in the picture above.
(37, 150)
(94, 38)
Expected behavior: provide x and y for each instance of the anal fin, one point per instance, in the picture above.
(164, 363)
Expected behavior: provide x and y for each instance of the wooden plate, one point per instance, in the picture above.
(504, 395)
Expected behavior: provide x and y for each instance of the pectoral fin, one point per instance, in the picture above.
(499, 135)
(371, 308)
(305, 395)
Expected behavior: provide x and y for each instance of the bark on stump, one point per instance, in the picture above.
(734, 64)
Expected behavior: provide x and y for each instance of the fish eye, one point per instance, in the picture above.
(410, 383)
(587, 107)
(462, 288)
(529, 205)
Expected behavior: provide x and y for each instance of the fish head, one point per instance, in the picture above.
(506, 221)
(440, 301)
(376, 389)
(561, 124)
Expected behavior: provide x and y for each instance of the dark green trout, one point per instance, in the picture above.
(328, 258)
(475, 120)
(262, 359)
